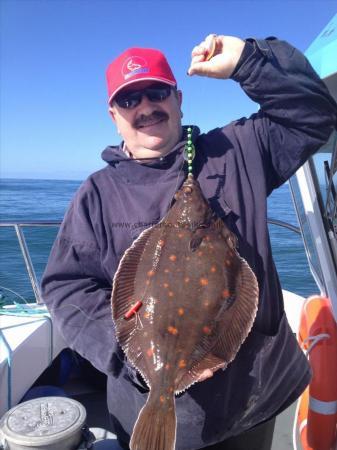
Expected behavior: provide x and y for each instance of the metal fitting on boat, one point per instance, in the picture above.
(46, 423)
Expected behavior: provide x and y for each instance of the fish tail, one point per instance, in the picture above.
(155, 428)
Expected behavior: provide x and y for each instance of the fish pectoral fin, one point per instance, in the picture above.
(237, 321)
(124, 304)
(210, 361)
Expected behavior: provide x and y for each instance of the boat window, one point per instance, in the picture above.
(324, 166)
(308, 238)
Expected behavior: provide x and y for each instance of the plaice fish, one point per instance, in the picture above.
(183, 301)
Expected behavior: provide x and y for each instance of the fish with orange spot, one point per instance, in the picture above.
(181, 311)
(182, 364)
(218, 304)
(172, 330)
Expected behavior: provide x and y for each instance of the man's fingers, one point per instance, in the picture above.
(210, 42)
(197, 58)
(201, 54)
(199, 50)
(201, 68)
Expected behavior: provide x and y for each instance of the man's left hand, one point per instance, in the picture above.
(216, 56)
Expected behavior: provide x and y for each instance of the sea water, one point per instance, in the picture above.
(27, 200)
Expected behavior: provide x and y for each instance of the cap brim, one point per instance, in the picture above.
(139, 80)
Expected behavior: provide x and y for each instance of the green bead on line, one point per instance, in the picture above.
(189, 151)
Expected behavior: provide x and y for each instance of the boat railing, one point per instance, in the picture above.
(330, 206)
(19, 226)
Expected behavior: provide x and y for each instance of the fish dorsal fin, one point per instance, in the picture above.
(123, 294)
(237, 321)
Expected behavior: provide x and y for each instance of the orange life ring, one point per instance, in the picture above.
(317, 416)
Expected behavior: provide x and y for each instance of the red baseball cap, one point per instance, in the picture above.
(137, 64)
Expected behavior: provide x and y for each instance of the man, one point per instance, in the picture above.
(237, 167)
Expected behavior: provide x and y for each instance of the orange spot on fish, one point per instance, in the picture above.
(171, 294)
(213, 269)
(162, 399)
(203, 281)
(166, 271)
(167, 366)
(200, 253)
(207, 238)
(207, 330)
(170, 389)
(228, 262)
(147, 282)
(181, 311)
(165, 285)
(150, 273)
(146, 315)
(149, 352)
(172, 258)
(182, 364)
(225, 293)
(180, 235)
(161, 242)
(186, 279)
(172, 330)
(206, 303)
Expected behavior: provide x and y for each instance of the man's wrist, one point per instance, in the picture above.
(248, 50)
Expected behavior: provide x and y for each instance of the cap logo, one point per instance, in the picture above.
(133, 66)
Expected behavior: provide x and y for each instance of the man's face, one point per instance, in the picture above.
(151, 128)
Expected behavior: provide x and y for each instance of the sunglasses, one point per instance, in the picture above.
(155, 93)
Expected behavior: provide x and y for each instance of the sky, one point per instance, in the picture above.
(54, 121)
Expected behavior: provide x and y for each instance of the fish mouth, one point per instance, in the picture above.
(192, 183)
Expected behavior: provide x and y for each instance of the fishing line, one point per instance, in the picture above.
(13, 292)
(138, 319)
(71, 305)
(33, 309)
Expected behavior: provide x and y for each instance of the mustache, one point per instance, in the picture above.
(143, 120)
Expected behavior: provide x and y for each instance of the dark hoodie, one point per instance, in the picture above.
(237, 166)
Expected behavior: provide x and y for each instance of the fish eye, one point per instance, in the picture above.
(188, 190)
